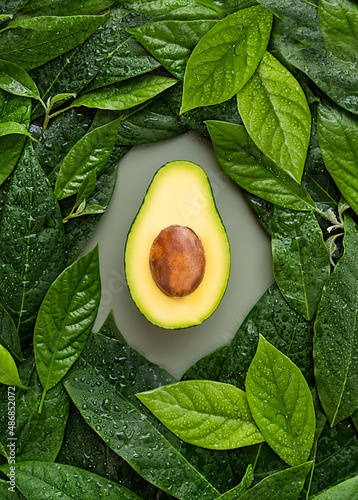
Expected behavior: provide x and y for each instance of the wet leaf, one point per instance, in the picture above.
(335, 340)
(276, 115)
(281, 403)
(230, 53)
(176, 9)
(9, 337)
(241, 488)
(65, 7)
(8, 370)
(14, 79)
(205, 413)
(348, 490)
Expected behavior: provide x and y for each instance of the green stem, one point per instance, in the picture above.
(59, 112)
(44, 392)
(322, 213)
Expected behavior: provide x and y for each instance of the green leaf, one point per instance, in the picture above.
(11, 6)
(348, 490)
(72, 299)
(86, 187)
(126, 94)
(300, 259)
(281, 403)
(39, 437)
(171, 42)
(338, 23)
(42, 480)
(60, 97)
(9, 337)
(229, 53)
(338, 140)
(32, 240)
(32, 41)
(335, 341)
(241, 488)
(286, 484)
(15, 80)
(8, 128)
(276, 115)
(175, 9)
(12, 109)
(89, 154)
(7, 494)
(136, 440)
(248, 167)
(8, 370)
(205, 413)
(65, 7)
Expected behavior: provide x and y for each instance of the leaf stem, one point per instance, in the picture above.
(44, 392)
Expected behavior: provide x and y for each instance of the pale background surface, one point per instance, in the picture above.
(251, 263)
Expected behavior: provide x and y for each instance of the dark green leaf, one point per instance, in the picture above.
(126, 94)
(275, 113)
(338, 140)
(8, 370)
(338, 22)
(286, 484)
(135, 439)
(348, 490)
(335, 341)
(72, 299)
(41, 480)
(39, 437)
(32, 41)
(228, 53)
(300, 259)
(281, 403)
(15, 80)
(171, 42)
(91, 153)
(12, 109)
(32, 240)
(66, 7)
(11, 6)
(176, 9)
(72, 71)
(9, 337)
(10, 494)
(246, 165)
(205, 413)
(241, 488)
(86, 187)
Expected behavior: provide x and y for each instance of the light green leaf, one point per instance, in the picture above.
(44, 480)
(205, 413)
(301, 262)
(335, 346)
(226, 57)
(338, 22)
(59, 97)
(8, 370)
(249, 168)
(125, 94)
(281, 403)
(338, 139)
(65, 319)
(7, 128)
(347, 490)
(16, 80)
(32, 41)
(86, 188)
(275, 113)
(284, 485)
(89, 154)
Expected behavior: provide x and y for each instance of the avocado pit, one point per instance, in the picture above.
(177, 261)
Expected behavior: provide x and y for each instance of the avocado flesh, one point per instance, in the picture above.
(179, 194)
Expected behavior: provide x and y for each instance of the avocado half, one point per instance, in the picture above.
(179, 201)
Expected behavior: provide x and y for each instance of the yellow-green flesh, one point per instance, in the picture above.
(180, 193)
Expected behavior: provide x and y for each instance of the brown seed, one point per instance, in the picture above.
(177, 261)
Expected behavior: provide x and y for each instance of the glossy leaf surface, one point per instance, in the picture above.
(9, 337)
(176, 9)
(40, 480)
(14, 79)
(348, 490)
(89, 154)
(8, 370)
(275, 113)
(32, 240)
(245, 164)
(243, 486)
(338, 140)
(229, 53)
(205, 413)
(46, 37)
(281, 403)
(72, 299)
(335, 341)
(126, 94)
(300, 259)
(65, 7)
